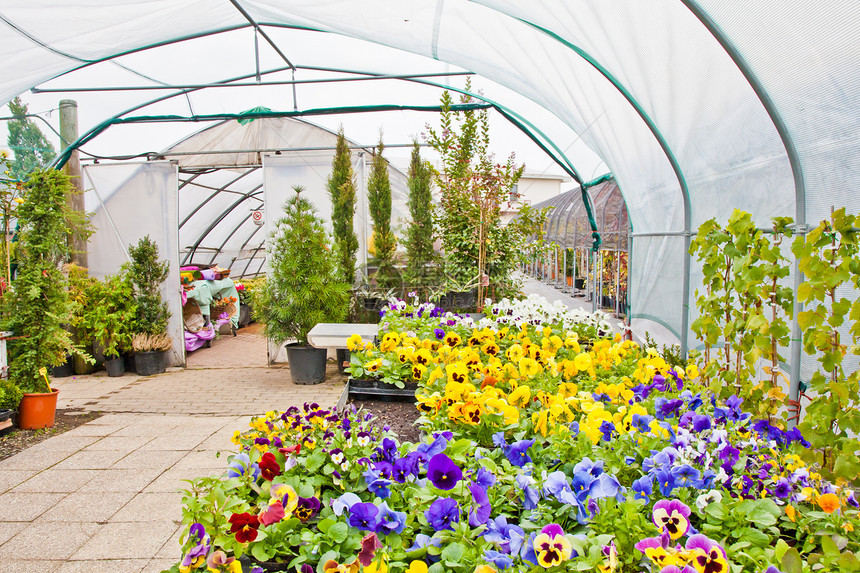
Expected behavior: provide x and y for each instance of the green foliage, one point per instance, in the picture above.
(420, 255)
(146, 274)
(379, 202)
(304, 287)
(105, 311)
(828, 257)
(37, 307)
(474, 188)
(10, 395)
(32, 149)
(744, 307)
(341, 189)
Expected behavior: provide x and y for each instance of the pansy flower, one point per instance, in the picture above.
(390, 521)
(306, 508)
(443, 472)
(363, 516)
(551, 547)
(517, 453)
(269, 466)
(241, 465)
(710, 557)
(196, 555)
(672, 516)
(218, 561)
(443, 513)
(332, 566)
(244, 526)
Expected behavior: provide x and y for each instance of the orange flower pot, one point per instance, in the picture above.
(37, 410)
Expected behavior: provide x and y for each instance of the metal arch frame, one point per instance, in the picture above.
(247, 172)
(255, 191)
(793, 161)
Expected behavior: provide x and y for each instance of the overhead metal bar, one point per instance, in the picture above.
(362, 78)
(199, 206)
(259, 30)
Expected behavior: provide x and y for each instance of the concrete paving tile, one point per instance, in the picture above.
(106, 566)
(155, 459)
(119, 443)
(172, 480)
(11, 478)
(93, 429)
(87, 507)
(172, 550)
(126, 541)
(56, 481)
(154, 506)
(27, 506)
(91, 460)
(176, 441)
(8, 529)
(121, 480)
(40, 566)
(150, 429)
(159, 565)
(204, 459)
(64, 442)
(51, 541)
(34, 461)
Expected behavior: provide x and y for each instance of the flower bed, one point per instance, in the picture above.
(544, 450)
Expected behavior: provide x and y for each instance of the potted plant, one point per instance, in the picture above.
(303, 287)
(149, 352)
(146, 273)
(37, 306)
(105, 316)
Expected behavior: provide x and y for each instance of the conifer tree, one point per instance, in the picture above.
(31, 147)
(341, 188)
(419, 233)
(379, 202)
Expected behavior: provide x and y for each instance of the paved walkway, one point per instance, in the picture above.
(104, 497)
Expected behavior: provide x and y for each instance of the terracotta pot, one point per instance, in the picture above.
(37, 410)
(569, 281)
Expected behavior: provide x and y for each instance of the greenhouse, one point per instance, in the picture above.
(579, 282)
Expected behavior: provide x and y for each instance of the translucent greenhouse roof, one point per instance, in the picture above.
(696, 107)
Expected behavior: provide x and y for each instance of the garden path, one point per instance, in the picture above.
(104, 496)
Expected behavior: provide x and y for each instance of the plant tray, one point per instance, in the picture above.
(404, 393)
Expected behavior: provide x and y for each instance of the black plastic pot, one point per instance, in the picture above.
(149, 363)
(459, 300)
(343, 355)
(307, 364)
(244, 315)
(115, 366)
(65, 369)
(580, 283)
(373, 303)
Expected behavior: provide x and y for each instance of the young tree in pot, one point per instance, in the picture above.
(146, 273)
(303, 286)
(37, 306)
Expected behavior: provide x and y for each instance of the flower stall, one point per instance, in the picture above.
(549, 444)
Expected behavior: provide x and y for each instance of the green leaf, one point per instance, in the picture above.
(791, 562)
(453, 552)
(260, 553)
(315, 461)
(338, 532)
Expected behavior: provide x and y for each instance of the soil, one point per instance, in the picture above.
(13, 440)
(400, 416)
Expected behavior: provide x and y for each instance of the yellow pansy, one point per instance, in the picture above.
(417, 567)
(390, 340)
(515, 353)
(520, 397)
(354, 343)
(529, 367)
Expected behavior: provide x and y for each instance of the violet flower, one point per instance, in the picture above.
(443, 472)
(442, 513)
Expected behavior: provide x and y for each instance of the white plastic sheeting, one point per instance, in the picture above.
(221, 186)
(129, 201)
(669, 93)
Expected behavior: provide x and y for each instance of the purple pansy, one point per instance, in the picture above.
(443, 513)
(443, 472)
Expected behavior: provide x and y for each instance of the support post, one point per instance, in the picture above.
(72, 168)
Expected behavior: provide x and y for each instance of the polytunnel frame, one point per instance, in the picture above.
(738, 60)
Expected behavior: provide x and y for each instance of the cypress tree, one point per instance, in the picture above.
(341, 188)
(419, 233)
(379, 202)
(32, 149)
